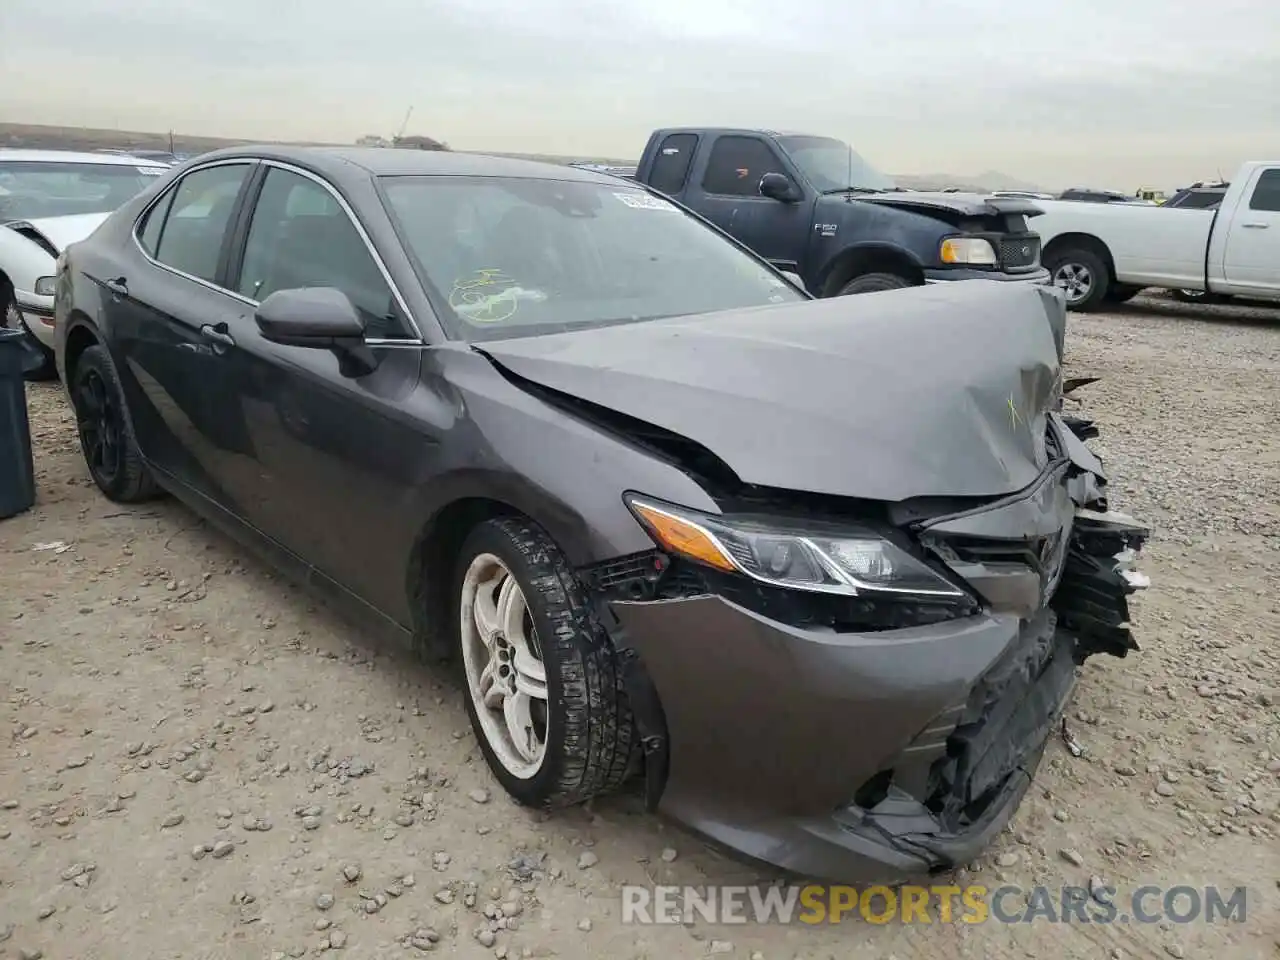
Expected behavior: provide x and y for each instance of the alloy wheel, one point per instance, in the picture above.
(506, 678)
(98, 422)
(1075, 279)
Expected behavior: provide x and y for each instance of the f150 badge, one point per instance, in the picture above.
(826, 229)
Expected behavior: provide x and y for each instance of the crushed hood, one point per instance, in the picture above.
(966, 204)
(59, 232)
(938, 390)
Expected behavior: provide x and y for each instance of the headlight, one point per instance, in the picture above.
(848, 562)
(970, 250)
(46, 286)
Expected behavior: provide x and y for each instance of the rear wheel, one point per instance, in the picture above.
(1081, 275)
(544, 694)
(871, 282)
(106, 434)
(1200, 296)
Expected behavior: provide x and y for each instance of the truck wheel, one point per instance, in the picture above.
(544, 692)
(1081, 275)
(871, 282)
(1201, 297)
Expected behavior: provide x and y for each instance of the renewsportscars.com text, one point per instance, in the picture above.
(816, 904)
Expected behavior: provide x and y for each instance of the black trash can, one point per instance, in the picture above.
(17, 472)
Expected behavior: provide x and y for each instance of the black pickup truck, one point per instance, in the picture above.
(814, 208)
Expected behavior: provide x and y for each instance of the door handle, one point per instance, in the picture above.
(118, 286)
(218, 334)
(1255, 226)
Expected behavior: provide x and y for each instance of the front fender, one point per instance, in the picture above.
(23, 262)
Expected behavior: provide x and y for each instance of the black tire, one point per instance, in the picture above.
(1201, 296)
(871, 282)
(106, 432)
(1122, 293)
(1068, 266)
(597, 747)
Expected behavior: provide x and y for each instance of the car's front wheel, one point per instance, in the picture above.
(543, 690)
(106, 434)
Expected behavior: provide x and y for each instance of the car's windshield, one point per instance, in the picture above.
(512, 257)
(31, 189)
(832, 164)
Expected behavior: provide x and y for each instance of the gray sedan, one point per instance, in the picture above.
(818, 574)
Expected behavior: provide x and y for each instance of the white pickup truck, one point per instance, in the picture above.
(1104, 253)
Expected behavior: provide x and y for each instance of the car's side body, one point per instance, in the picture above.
(1232, 248)
(375, 463)
(371, 446)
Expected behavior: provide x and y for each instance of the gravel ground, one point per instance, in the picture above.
(201, 763)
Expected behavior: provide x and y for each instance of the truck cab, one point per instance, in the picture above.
(814, 208)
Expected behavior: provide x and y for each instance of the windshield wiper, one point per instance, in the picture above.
(864, 190)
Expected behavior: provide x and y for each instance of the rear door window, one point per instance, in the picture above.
(671, 165)
(195, 226)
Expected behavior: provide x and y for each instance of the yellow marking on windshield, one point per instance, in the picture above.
(474, 298)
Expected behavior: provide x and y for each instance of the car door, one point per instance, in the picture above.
(336, 460)
(731, 200)
(162, 314)
(1251, 259)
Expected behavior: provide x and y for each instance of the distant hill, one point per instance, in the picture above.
(37, 137)
(981, 183)
(40, 137)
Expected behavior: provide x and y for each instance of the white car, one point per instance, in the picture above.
(48, 199)
(1104, 253)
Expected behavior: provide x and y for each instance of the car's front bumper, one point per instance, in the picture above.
(950, 275)
(37, 314)
(775, 735)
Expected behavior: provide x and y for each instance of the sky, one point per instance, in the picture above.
(1107, 93)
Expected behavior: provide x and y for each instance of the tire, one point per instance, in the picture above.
(591, 746)
(1122, 293)
(106, 432)
(11, 318)
(1201, 297)
(1082, 275)
(871, 282)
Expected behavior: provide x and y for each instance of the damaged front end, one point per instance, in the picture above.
(1047, 573)
(1067, 578)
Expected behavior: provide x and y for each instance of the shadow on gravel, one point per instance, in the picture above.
(1244, 313)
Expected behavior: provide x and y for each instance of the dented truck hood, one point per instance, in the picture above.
(930, 391)
(967, 204)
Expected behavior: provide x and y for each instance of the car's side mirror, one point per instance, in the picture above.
(318, 317)
(778, 186)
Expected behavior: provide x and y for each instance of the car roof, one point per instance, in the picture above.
(338, 162)
(75, 156)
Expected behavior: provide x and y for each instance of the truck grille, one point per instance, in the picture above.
(1020, 252)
